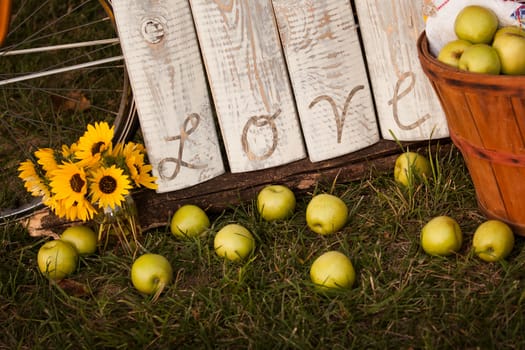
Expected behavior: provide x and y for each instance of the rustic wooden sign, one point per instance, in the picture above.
(249, 83)
(328, 76)
(406, 104)
(167, 75)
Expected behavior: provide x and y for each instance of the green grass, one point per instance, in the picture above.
(402, 298)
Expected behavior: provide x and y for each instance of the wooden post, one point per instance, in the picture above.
(249, 83)
(328, 76)
(405, 101)
(167, 75)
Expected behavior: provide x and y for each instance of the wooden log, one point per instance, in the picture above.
(406, 104)
(301, 176)
(230, 189)
(328, 76)
(166, 71)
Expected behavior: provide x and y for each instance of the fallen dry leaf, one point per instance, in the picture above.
(73, 288)
(44, 223)
(72, 101)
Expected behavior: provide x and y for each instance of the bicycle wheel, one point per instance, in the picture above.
(61, 69)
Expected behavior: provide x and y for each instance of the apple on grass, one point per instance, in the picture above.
(275, 202)
(509, 42)
(234, 242)
(452, 51)
(83, 238)
(332, 270)
(493, 240)
(326, 213)
(151, 273)
(480, 58)
(476, 24)
(410, 167)
(189, 221)
(441, 236)
(57, 259)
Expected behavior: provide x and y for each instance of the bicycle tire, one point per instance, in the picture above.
(125, 125)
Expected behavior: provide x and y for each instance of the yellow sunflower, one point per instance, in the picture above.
(140, 172)
(69, 183)
(47, 158)
(132, 148)
(82, 210)
(95, 140)
(33, 183)
(115, 156)
(109, 186)
(69, 151)
(117, 150)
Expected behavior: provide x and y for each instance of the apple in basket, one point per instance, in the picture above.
(480, 58)
(509, 42)
(476, 24)
(452, 51)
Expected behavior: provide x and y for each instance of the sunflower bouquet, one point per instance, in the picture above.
(90, 177)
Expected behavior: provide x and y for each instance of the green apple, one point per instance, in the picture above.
(452, 51)
(493, 240)
(476, 24)
(410, 167)
(151, 273)
(275, 202)
(441, 236)
(480, 58)
(326, 213)
(83, 238)
(331, 270)
(234, 242)
(189, 221)
(57, 259)
(509, 42)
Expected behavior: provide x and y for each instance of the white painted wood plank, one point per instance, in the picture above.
(328, 76)
(162, 56)
(249, 83)
(405, 102)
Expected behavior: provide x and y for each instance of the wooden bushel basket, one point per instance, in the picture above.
(486, 120)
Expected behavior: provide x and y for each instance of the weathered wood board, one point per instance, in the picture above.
(328, 76)
(406, 104)
(167, 75)
(249, 83)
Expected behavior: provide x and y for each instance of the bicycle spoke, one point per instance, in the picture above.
(48, 25)
(62, 68)
(59, 47)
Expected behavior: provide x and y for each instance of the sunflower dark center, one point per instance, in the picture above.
(107, 184)
(76, 183)
(96, 147)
